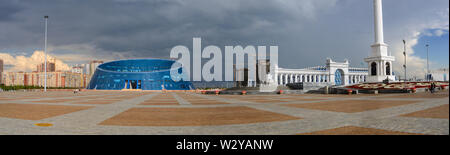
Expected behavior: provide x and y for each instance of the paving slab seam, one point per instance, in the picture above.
(180, 100)
(96, 114)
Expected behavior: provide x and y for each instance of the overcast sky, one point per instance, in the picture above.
(306, 31)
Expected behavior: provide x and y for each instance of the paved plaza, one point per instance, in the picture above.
(155, 113)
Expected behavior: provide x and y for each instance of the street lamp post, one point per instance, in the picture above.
(45, 51)
(428, 64)
(404, 53)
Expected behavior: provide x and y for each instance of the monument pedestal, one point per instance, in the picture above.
(380, 78)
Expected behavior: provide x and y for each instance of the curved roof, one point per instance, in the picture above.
(138, 66)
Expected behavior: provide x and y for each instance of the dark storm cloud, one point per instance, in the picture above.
(145, 28)
(162, 25)
(7, 10)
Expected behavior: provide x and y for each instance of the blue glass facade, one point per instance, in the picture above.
(144, 74)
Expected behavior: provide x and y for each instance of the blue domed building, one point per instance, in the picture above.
(139, 74)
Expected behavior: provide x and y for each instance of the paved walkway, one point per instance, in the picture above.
(125, 113)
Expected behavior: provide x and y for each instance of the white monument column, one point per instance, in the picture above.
(379, 32)
(379, 53)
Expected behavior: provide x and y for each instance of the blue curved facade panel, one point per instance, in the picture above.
(145, 74)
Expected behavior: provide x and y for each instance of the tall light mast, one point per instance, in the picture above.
(428, 64)
(45, 51)
(404, 54)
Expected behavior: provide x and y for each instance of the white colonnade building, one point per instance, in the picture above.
(333, 73)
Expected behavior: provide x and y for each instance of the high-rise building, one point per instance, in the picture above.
(87, 69)
(78, 69)
(93, 66)
(54, 79)
(82, 69)
(51, 67)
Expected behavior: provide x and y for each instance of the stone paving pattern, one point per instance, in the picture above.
(119, 112)
(352, 130)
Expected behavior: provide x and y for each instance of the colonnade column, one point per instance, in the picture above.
(292, 78)
(286, 79)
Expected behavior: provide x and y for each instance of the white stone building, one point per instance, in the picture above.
(333, 73)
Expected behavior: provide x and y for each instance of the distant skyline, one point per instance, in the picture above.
(306, 31)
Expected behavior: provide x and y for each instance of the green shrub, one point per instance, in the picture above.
(8, 88)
